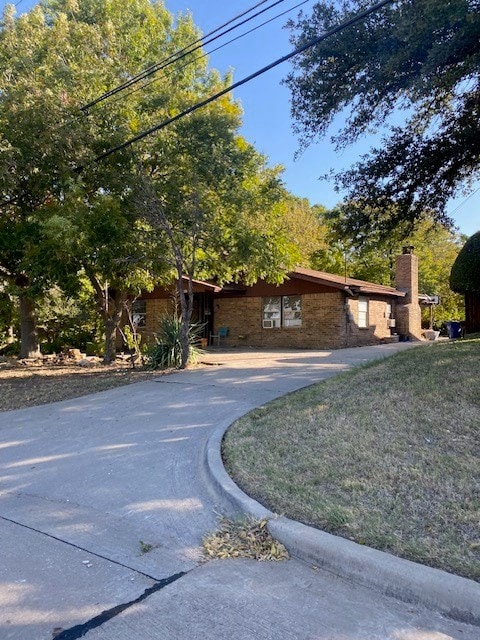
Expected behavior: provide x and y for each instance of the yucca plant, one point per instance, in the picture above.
(166, 353)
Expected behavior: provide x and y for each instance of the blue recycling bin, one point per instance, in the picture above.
(454, 329)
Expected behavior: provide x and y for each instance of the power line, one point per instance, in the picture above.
(182, 53)
(73, 117)
(208, 53)
(308, 45)
(464, 201)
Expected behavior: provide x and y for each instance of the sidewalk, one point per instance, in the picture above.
(85, 482)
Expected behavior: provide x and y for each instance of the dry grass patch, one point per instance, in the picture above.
(387, 455)
(27, 386)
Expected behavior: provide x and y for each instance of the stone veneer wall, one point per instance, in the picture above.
(324, 324)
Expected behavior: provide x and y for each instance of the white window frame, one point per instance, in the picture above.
(363, 313)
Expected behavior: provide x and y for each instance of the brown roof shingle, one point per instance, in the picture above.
(346, 284)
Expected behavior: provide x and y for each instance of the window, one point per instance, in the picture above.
(139, 313)
(272, 312)
(363, 313)
(282, 311)
(292, 311)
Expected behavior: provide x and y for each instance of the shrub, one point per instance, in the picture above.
(465, 274)
(167, 350)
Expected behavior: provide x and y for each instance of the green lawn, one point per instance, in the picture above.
(387, 455)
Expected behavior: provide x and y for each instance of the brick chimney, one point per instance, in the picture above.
(408, 314)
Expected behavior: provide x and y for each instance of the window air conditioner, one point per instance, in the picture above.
(268, 324)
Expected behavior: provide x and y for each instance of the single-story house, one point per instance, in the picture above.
(310, 309)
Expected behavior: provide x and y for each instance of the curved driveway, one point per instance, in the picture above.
(104, 497)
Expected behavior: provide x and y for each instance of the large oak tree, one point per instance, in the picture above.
(416, 58)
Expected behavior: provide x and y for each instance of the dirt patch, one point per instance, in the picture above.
(27, 384)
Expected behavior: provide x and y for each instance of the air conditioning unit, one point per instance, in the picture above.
(391, 322)
(268, 324)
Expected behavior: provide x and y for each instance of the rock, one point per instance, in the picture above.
(85, 362)
(75, 354)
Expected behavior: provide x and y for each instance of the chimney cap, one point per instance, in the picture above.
(408, 249)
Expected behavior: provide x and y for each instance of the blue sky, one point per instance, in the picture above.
(267, 120)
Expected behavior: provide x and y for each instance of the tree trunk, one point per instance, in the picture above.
(185, 342)
(29, 347)
(186, 315)
(112, 318)
(110, 340)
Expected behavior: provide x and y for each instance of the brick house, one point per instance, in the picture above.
(310, 309)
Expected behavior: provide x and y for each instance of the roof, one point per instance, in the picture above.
(207, 285)
(350, 285)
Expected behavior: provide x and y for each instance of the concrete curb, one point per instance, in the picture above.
(448, 594)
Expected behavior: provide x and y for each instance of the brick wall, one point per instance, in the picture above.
(324, 324)
(377, 328)
(156, 308)
(409, 315)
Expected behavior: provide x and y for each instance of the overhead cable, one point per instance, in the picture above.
(464, 201)
(208, 53)
(308, 45)
(182, 53)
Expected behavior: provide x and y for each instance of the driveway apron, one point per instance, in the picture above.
(104, 501)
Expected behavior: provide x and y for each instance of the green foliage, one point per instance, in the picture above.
(11, 349)
(304, 227)
(54, 221)
(132, 338)
(216, 200)
(421, 58)
(218, 195)
(372, 258)
(167, 352)
(67, 322)
(133, 341)
(7, 315)
(465, 273)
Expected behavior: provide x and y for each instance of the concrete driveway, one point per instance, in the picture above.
(88, 485)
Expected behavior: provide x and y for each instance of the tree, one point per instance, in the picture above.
(304, 226)
(417, 57)
(57, 221)
(465, 279)
(63, 214)
(216, 202)
(374, 260)
(67, 321)
(33, 158)
(7, 317)
(116, 252)
(49, 63)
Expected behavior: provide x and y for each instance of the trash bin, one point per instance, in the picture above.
(454, 329)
